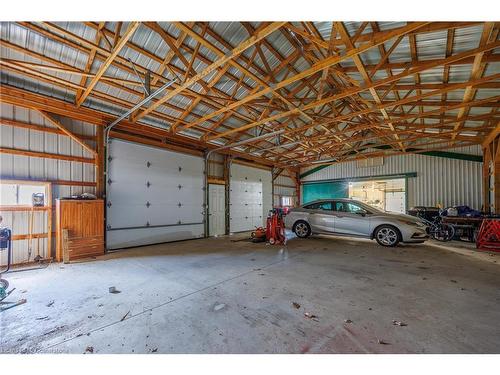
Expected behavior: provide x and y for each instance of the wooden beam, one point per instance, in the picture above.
(77, 42)
(40, 128)
(216, 181)
(69, 133)
(216, 64)
(15, 208)
(325, 63)
(413, 129)
(37, 154)
(268, 78)
(104, 66)
(442, 145)
(66, 69)
(362, 70)
(90, 61)
(352, 91)
(96, 93)
(491, 136)
(99, 163)
(478, 68)
(53, 182)
(26, 99)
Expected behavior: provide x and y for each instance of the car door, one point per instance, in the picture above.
(351, 218)
(321, 217)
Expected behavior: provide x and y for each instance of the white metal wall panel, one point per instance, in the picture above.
(250, 197)
(24, 167)
(439, 180)
(154, 196)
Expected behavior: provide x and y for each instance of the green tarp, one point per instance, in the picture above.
(325, 190)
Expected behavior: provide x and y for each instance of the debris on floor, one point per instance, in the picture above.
(113, 290)
(89, 349)
(311, 316)
(382, 342)
(42, 317)
(124, 316)
(348, 321)
(219, 306)
(398, 323)
(296, 305)
(50, 304)
(57, 329)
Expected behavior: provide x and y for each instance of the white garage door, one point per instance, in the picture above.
(154, 196)
(250, 197)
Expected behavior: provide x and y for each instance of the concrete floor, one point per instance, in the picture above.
(219, 296)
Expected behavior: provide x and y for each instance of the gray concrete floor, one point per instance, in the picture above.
(219, 296)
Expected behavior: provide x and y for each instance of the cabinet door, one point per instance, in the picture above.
(92, 219)
(71, 218)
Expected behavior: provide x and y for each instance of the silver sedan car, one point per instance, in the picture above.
(352, 218)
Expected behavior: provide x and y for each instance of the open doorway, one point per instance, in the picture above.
(388, 195)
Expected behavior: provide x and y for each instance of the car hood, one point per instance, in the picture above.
(400, 216)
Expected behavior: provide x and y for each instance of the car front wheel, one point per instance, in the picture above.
(302, 229)
(387, 235)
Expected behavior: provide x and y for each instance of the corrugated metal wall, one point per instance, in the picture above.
(35, 168)
(439, 180)
(284, 186)
(216, 166)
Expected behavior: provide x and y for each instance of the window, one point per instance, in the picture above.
(20, 193)
(348, 207)
(286, 201)
(353, 208)
(327, 206)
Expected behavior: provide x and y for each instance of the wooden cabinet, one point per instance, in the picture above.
(84, 220)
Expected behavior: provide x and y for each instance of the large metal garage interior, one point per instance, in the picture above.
(151, 171)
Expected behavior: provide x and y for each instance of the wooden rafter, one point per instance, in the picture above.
(327, 106)
(349, 92)
(102, 69)
(49, 117)
(316, 68)
(478, 69)
(221, 61)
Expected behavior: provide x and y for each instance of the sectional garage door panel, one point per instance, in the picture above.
(154, 195)
(148, 236)
(250, 197)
